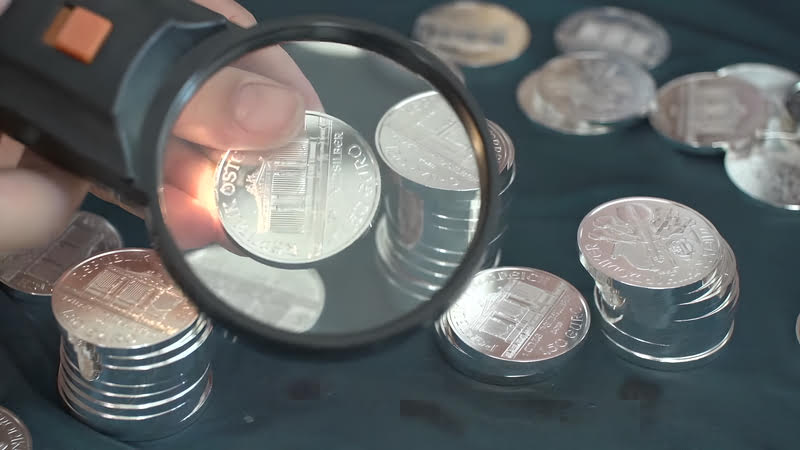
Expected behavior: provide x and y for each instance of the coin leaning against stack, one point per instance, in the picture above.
(135, 356)
(666, 282)
(432, 203)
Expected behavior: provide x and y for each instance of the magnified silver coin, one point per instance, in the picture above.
(706, 112)
(775, 84)
(768, 171)
(303, 202)
(614, 30)
(121, 299)
(33, 271)
(14, 435)
(291, 300)
(472, 33)
(649, 242)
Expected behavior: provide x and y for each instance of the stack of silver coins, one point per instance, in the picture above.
(666, 282)
(432, 202)
(14, 435)
(514, 325)
(135, 356)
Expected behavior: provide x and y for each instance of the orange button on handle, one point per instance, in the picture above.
(79, 33)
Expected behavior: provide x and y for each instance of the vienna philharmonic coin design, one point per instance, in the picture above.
(614, 30)
(473, 34)
(305, 201)
(14, 435)
(33, 271)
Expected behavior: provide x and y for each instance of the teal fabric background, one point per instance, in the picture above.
(408, 397)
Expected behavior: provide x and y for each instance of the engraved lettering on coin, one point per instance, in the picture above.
(649, 242)
(422, 140)
(305, 201)
(121, 299)
(14, 435)
(520, 314)
(34, 271)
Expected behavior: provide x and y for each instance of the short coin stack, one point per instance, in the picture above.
(135, 357)
(666, 282)
(431, 206)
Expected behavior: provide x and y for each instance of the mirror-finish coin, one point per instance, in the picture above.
(775, 84)
(614, 30)
(14, 435)
(768, 171)
(649, 243)
(33, 271)
(123, 299)
(707, 113)
(305, 201)
(473, 33)
(291, 300)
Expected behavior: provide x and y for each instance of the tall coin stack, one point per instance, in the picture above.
(432, 203)
(666, 282)
(135, 357)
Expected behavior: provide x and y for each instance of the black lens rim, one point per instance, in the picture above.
(219, 50)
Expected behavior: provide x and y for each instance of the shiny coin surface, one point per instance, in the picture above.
(303, 202)
(707, 112)
(33, 271)
(614, 30)
(792, 102)
(768, 171)
(503, 148)
(291, 300)
(775, 84)
(121, 299)
(649, 242)
(14, 435)
(422, 140)
(473, 34)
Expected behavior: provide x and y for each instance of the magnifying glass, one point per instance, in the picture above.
(359, 226)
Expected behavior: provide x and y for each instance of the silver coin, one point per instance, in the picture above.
(121, 299)
(707, 112)
(775, 84)
(614, 30)
(33, 271)
(422, 139)
(504, 151)
(14, 435)
(768, 171)
(520, 315)
(792, 102)
(291, 300)
(649, 242)
(303, 202)
(472, 33)
(596, 88)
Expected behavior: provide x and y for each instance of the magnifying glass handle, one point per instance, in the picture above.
(77, 78)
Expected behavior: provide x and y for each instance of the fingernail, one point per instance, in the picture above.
(259, 107)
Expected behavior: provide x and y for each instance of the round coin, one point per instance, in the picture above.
(614, 30)
(649, 242)
(775, 84)
(473, 34)
(291, 300)
(422, 140)
(305, 201)
(792, 102)
(33, 271)
(14, 435)
(122, 299)
(768, 171)
(707, 112)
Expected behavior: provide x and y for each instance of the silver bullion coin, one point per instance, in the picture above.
(775, 84)
(14, 435)
(520, 314)
(614, 30)
(303, 202)
(473, 33)
(291, 300)
(649, 242)
(33, 271)
(768, 171)
(422, 140)
(708, 112)
(122, 299)
(596, 88)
